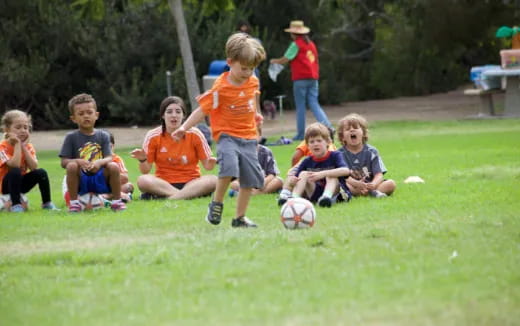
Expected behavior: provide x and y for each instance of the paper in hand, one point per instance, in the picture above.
(274, 69)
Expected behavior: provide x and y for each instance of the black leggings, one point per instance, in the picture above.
(15, 183)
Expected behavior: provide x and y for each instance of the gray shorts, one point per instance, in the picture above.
(238, 158)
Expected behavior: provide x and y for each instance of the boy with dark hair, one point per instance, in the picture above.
(87, 157)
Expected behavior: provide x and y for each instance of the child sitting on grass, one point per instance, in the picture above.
(321, 174)
(19, 170)
(87, 157)
(127, 188)
(364, 160)
(301, 151)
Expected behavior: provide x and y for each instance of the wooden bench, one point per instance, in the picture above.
(486, 99)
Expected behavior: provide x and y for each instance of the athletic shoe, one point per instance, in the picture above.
(118, 206)
(242, 222)
(148, 196)
(283, 199)
(18, 208)
(214, 212)
(232, 193)
(325, 201)
(378, 194)
(50, 206)
(74, 208)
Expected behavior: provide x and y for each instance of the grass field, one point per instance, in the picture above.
(446, 252)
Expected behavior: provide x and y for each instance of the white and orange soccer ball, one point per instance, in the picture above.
(298, 213)
(90, 201)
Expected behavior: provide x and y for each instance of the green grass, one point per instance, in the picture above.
(441, 253)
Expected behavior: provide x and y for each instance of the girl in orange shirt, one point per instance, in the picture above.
(177, 174)
(19, 170)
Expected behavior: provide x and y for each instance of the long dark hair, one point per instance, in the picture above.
(165, 103)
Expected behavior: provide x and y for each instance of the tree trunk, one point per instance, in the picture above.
(187, 56)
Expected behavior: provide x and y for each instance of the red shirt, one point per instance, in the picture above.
(305, 64)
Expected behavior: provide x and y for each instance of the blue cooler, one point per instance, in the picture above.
(482, 82)
(217, 67)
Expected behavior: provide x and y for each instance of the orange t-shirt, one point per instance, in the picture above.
(231, 109)
(6, 153)
(176, 162)
(120, 163)
(305, 149)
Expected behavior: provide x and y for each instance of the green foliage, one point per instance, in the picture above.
(440, 253)
(120, 50)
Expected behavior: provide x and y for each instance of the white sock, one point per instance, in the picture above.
(285, 193)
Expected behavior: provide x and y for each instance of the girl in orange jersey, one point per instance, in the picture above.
(177, 174)
(19, 170)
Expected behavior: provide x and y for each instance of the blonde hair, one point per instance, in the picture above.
(317, 129)
(80, 99)
(243, 48)
(11, 115)
(355, 120)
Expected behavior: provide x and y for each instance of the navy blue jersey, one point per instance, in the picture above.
(332, 160)
(365, 164)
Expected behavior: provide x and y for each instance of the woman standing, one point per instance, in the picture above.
(305, 72)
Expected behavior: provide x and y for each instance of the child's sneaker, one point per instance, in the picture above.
(283, 199)
(242, 222)
(18, 208)
(378, 194)
(118, 205)
(232, 193)
(74, 208)
(325, 201)
(50, 206)
(214, 212)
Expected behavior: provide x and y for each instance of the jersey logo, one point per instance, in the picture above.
(242, 94)
(164, 150)
(215, 100)
(356, 161)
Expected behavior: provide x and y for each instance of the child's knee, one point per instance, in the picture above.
(112, 169)
(72, 167)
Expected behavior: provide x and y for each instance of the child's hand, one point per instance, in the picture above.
(210, 163)
(84, 165)
(371, 186)
(138, 154)
(94, 167)
(259, 118)
(12, 138)
(178, 134)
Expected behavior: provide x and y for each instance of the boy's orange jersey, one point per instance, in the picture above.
(6, 153)
(176, 162)
(231, 109)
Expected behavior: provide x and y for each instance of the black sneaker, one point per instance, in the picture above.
(214, 212)
(325, 201)
(242, 222)
(145, 196)
(148, 196)
(283, 200)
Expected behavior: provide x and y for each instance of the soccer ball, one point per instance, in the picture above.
(90, 201)
(5, 202)
(298, 213)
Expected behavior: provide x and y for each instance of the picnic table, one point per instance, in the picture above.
(512, 97)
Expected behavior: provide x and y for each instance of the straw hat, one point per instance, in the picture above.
(297, 27)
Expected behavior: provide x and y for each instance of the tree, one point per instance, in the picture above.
(185, 47)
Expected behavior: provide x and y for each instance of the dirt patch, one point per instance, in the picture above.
(443, 106)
